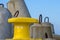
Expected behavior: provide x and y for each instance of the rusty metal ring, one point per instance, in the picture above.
(16, 13)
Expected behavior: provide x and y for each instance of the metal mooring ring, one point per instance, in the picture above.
(16, 13)
(2, 5)
(46, 18)
(40, 18)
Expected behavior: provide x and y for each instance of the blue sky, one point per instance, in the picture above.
(50, 8)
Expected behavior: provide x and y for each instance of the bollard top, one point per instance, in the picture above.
(22, 20)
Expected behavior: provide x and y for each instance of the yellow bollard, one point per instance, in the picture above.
(21, 27)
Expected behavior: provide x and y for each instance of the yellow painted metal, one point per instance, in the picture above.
(25, 39)
(22, 19)
(21, 27)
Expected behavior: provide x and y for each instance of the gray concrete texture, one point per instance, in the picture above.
(5, 27)
(19, 5)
